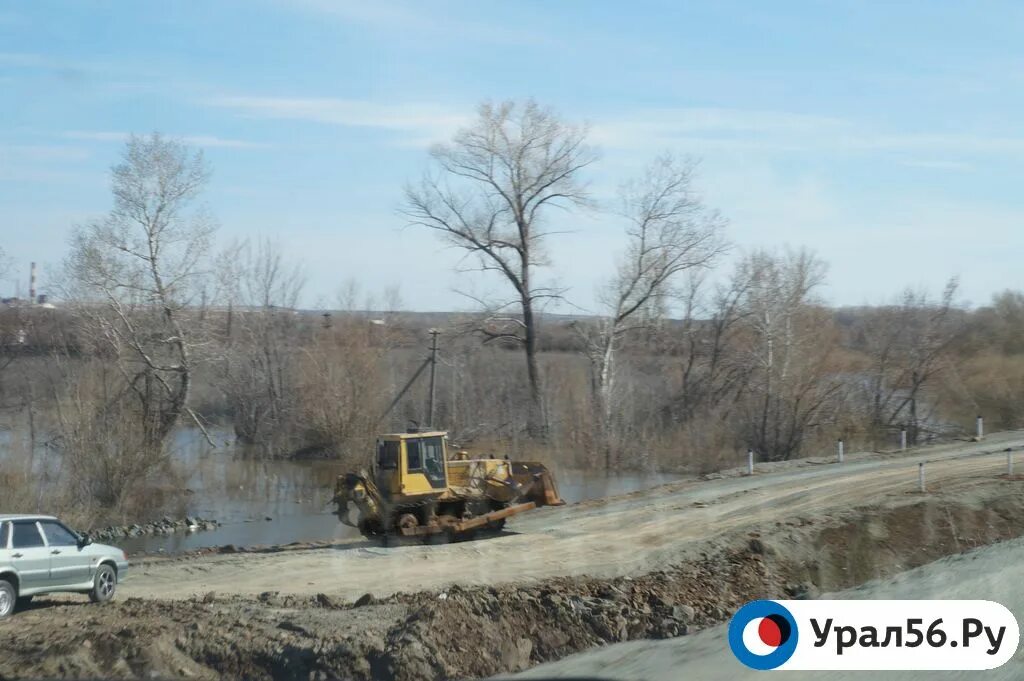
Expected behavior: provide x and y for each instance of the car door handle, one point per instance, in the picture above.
(17, 555)
(55, 552)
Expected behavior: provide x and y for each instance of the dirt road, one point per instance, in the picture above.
(630, 535)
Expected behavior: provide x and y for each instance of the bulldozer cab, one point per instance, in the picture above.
(411, 464)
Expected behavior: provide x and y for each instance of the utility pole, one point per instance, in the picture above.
(432, 363)
(433, 372)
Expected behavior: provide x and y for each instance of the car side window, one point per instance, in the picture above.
(26, 535)
(58, 535)
(3, 534)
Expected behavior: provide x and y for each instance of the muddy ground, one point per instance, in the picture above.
(988, 573)
(690, 554)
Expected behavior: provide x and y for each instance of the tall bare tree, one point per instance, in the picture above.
(669, 231)
(491, 193)
(136, 272)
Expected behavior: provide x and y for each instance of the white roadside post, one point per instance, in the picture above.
(980, 427)
(903, 439)
(839, 450)
(920, 476)
(750, 462)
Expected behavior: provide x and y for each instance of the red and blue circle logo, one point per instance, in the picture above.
(763, 635)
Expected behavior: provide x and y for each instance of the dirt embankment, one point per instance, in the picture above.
(474, 631)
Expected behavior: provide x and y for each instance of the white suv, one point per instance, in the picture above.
(39, 554)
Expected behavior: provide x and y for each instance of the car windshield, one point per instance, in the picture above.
(388, 340)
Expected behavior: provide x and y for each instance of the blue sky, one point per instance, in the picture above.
(886, 136)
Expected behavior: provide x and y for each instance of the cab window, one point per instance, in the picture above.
(433, 460)
(3, 534)
(387, 455)
(433, 453)
(57, 534)
(414, 456)
(26, 535)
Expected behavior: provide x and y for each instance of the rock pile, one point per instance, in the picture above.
(165, 525)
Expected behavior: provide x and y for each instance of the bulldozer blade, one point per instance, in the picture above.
(493, 516)
(467, 525)
(538, 482)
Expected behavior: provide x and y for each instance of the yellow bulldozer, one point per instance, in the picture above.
(417, 488)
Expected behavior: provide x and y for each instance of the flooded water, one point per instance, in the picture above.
(277, 502)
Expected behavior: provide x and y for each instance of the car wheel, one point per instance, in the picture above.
(8, 598)
(104, 584)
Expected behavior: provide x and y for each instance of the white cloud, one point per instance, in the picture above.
(936, 164)
(710, 129)
(54, 163)
(214, 141)
(28, 60)
(873, 247)
(696, 129)
(426, 122)
(698, 119)
(732, 128)
(921, 241)
(966, 143)
(419, 20)
(209, 141)
(767, 208)
(42, 152)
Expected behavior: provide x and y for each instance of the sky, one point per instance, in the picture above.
(884, 136)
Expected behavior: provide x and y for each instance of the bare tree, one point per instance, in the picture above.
(1006, 321)
(392, 299)
(908, 345)
(787, 350)
(348, 296)
(342, 390)
(713, 370)
(491, 194)
(258, 373)
(135, 273)
(669, 232)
